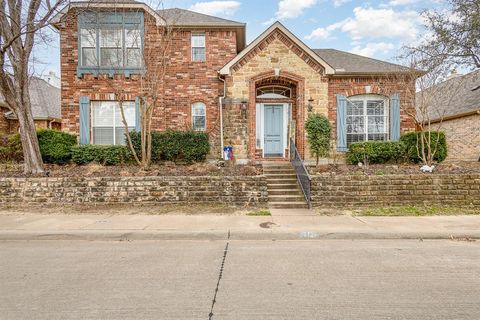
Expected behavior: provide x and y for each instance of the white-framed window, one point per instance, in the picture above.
(199, 116)
(107, 125)
(111, 47)
(88, 41)
(367, 118)
(198, 46)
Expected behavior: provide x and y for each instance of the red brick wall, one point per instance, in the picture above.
(350, 86)
(186, 81)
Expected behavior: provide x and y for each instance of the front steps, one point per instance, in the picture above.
(283, 189)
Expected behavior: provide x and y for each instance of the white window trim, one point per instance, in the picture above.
(386, 106)
(205, 115)
(198, 33)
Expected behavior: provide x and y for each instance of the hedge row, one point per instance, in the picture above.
(405, 150)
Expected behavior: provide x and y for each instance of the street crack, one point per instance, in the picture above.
(220, 274)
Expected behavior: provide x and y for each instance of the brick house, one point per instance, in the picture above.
(45, 102)
(454, 108)
(255, 97)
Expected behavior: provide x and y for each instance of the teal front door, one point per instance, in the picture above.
(273, 130)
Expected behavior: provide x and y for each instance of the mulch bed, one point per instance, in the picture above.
(94, 170)
(384, 169)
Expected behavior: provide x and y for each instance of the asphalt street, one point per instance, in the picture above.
(234, 279)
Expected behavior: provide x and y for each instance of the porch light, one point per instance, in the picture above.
(309, 105)
(243, 105)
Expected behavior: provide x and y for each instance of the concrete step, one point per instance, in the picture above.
(280, 181)
(273, 171)
(281, 176)
(278, 192)
(285, 198)
(289, 186)
(288, 205)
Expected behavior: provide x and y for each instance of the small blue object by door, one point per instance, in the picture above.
(273, 130)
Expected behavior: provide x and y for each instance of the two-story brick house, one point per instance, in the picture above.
(254, 97)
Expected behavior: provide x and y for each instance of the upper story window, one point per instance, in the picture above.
(198, 46)
(198, 116)
(110, 42)
(367, 118)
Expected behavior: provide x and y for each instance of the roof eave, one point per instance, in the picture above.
(454, 116)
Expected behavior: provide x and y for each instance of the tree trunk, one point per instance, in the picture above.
(28, 135)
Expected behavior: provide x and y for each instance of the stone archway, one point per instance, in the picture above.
(280, 78)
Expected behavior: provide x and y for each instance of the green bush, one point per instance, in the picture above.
(189, 146)
(438, 141)
(11, 148)
(376, 152)
(319, 133)
(104, 155)
(55, 146)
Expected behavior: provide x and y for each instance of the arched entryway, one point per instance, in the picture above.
(276, 114)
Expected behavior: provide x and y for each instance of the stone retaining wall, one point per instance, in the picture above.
(389, 190)
(241, 190)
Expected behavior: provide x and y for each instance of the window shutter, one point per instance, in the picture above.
(395, 117)
(84, 109)
(137, 114)
(341, 123)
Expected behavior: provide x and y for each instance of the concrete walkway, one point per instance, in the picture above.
(283, 224)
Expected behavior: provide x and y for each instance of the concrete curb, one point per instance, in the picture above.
(132, 235)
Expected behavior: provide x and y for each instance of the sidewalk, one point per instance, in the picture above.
(282, 225)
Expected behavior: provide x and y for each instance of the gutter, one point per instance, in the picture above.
(220, 107)
(456, 116)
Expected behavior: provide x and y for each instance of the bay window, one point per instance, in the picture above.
(110, 42)
(367, 119)
(107, 125)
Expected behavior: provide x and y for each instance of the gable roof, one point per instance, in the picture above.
(349, 63)
(276, 26)
(453, 98)
(45, 100)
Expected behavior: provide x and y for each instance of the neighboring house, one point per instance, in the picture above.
(45, 102)
(256, 97)
(52, 79)
(453, 107)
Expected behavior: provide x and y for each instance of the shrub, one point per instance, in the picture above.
(376, 152)
(11, 148)
(189, 146)
(104, 155)
(438, 141)
(55, 146)
(319, 133)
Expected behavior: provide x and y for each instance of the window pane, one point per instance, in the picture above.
(376, 124)
(88, 37)
(120, 135)
(111, 38)
(198, 123)
(89, 57)
(198, 40)
(198, 54)
(129, 112)
(103, 113)
(375, 107)
(351, 138)
(103, 135)
(132, 38)
(379, 137)
(198, 109)
(355, 108)
(355, 124)
(111, 57)
(133, 58)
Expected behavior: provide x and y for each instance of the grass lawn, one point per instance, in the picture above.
(259, 213)
(417, 211)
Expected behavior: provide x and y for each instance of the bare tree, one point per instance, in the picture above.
(20, 23)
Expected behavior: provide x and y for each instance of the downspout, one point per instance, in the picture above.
(220, 106)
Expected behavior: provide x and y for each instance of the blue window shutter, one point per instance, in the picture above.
(137, 114)
(395, 117)
(341, 123)
(84, 120)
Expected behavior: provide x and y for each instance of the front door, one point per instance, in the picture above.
(273, 130)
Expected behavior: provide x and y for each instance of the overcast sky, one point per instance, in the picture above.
(376, 29)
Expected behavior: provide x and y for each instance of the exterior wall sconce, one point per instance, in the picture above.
(310, 105)
(243, 108)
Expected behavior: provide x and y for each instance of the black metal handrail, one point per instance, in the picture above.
(302, 174)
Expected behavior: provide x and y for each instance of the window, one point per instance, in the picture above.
(367, 119)
(107, 125)
(110, 41)
(274, 92)
(198, 47)
(198, 116)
